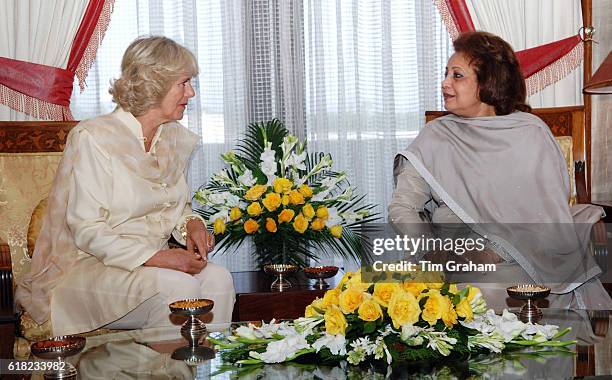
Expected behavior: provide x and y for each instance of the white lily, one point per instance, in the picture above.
(279, 350)
(247, 179)
(335, 343)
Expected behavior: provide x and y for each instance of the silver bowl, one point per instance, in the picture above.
(192, 306)
(320, 273)
(280, 270)
(57, 348)
(193, 329)
(529, 312)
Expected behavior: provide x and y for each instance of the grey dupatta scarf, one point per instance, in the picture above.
(55, 250)
(505, 176)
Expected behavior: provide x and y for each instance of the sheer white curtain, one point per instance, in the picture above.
(355, 77)
(373, 68)
(529, 23)
(38, 31)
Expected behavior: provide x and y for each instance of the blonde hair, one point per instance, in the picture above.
(149, 67)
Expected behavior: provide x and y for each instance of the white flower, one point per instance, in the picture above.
(334, 218)
(247, 179)
(335, 343)
(381, 350)
(509, 325)
(288, 143)
(297, 161)
(280, 350)
(539, 332)
(351, 216)
(267, 330)
(493, 342)
(221, 214)
(364, 343)
(439, 341)
(217, 198)
(247, 332)
(305, 326)
(356, 356)
(409, 334)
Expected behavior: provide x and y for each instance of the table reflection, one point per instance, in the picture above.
(148, 354)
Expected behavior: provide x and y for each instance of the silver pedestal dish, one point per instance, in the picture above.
(320, 273)
(530, 293)
(58, 348)
(280, 270)
(193, 329)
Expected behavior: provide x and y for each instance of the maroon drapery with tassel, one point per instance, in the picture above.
(44, 91)
(541, 65)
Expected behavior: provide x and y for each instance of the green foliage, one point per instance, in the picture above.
(286, 245)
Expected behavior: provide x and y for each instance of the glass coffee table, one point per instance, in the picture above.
(148, 354)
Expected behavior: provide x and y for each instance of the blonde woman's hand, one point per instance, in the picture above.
(177, 259)
(199, 241)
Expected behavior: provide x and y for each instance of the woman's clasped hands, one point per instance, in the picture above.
(191, 260)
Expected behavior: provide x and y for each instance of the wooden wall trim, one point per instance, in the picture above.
(34, 136)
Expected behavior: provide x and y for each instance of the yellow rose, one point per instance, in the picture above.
(305, 190)
(286, 215)
(350, 299)
(403, 309)
(235, 214)
(282, 185)
(272, 201)
(285, 200)
(464, 310)
(318, 304)
(311, 312)
(369, 311)
(300, 224)
(449, 315)
(433, 308)
(414, 287)
(355, 282)
(322, 212)
(331, 297)
(308, 211)
(335, 323)
(383, 292)
(336, 231)
(296, 198)
(219, 226)
(270, 225)
(254, 209)
(255, 192)
(318, 224)
(251, 226)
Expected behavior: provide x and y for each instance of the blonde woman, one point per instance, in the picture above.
(102, 258)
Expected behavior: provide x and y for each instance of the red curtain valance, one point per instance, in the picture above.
(541, 65)
(44, 91)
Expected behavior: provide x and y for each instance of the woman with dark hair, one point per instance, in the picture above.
(497, 169)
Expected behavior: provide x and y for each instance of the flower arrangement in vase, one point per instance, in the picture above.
(291, 203)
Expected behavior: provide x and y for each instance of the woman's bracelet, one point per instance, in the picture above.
(182, 229)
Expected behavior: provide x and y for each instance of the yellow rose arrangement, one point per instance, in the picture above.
(290, 203)
(396, 319)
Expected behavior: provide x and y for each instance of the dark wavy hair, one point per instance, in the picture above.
(500, 80)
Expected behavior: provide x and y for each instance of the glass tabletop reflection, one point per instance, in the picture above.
(149, 353)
